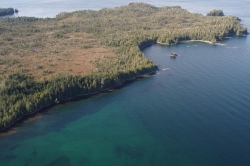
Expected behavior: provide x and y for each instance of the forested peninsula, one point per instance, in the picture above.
(47, 61)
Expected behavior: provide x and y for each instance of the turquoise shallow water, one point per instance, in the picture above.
(194, 111)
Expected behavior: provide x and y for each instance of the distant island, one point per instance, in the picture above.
(47, 61)
(215, 13)
(7, 11)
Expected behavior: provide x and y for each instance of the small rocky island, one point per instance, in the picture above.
(173, 55)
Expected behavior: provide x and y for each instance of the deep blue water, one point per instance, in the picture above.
(194, 111)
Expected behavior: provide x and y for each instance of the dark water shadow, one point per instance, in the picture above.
(10, 157)
(128, 151)
(60, 161)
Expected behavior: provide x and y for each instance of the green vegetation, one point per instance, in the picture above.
(215, 13)
(7, 11)
(124, 31)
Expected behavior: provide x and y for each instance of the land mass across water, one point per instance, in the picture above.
(7, 11)
(46, 61)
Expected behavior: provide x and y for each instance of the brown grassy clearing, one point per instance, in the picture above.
(70, 55)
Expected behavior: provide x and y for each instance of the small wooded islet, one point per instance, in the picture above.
(7, 11)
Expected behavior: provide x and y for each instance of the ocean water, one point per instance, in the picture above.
(194, 111)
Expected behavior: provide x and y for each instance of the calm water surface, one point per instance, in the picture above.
(194, 111)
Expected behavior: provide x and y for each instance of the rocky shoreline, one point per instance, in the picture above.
(78, 97)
